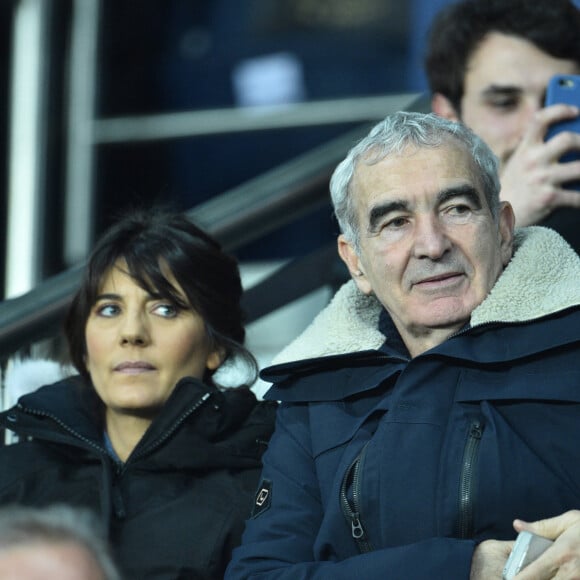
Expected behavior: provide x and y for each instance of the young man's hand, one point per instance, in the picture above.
(533, 179)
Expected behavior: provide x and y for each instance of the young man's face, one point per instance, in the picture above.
(505, 84)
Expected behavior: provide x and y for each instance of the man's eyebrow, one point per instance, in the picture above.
(466, 191)
(378, 212)
(504, 90)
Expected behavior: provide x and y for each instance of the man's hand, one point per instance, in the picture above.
(532, 177)
(562, 559)
(488, 560)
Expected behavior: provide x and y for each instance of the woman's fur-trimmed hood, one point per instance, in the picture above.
(543, 277)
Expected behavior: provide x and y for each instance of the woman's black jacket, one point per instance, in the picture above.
(177, 506)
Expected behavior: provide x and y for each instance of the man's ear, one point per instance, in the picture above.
(507, 222)
(442, 106)
(354, 265)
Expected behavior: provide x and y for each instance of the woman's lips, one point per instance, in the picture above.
(134, 367)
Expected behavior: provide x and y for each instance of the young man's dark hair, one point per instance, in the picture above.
(553, 26)
(489, 63)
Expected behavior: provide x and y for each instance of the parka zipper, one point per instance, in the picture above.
(116, 493)
(64, 426)
(101, 449)
(176, 424)
(118, 503)
(468, 479)
(117, 496)
(351, 509)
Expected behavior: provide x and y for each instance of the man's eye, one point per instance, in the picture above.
(396, 223)
(504, 103)
(459, 209)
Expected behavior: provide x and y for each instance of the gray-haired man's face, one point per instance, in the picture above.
(430, 249)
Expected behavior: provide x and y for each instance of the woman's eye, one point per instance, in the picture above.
(166, 310)
(107, 310)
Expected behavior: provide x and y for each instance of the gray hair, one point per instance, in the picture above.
(391, 137)
(57, 524)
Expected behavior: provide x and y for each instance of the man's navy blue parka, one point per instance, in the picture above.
(387, 466)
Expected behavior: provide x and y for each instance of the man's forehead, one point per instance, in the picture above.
(504, 62)
(413, 165)
(419, 182)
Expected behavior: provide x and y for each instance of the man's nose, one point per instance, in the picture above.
(431, 240)
(529, 109)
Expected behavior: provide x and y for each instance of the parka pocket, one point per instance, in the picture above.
(527, 459)
(350, 501)
(468, 479)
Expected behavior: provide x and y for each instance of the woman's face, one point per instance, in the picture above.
(139, 346)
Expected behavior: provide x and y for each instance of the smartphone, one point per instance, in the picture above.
(526, 549)
(565, 89)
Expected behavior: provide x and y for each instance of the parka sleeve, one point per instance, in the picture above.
(282, 536)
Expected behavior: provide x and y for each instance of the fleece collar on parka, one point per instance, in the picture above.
(542, 278)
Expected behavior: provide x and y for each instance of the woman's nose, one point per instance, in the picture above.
(134, 330)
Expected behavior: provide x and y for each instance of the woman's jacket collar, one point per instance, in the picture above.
(228, 427)
(542, 258)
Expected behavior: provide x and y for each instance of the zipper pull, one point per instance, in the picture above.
(358, 532)
(476, 431)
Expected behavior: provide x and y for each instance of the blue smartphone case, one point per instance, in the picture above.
(565, 89)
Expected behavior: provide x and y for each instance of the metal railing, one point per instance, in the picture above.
(244, 214)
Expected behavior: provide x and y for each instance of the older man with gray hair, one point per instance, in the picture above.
(432, 410)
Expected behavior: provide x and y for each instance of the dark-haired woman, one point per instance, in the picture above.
(143, 435)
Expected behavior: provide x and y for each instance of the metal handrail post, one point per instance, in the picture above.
(79, 195)
(27, 134)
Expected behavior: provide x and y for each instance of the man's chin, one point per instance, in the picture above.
(450, 318)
